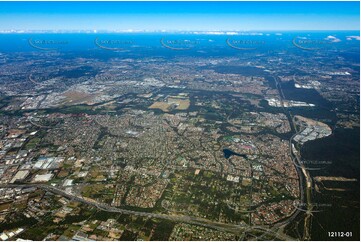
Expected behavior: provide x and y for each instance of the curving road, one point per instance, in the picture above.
(232, 228)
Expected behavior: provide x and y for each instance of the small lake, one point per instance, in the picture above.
(228, 153)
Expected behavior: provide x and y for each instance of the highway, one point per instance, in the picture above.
(302, 172)
(231, 228)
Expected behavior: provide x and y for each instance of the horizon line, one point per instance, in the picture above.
(95, 31)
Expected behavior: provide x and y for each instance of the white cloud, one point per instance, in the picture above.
(332, 39)
(353, 37)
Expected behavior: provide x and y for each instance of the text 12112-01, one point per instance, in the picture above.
(339, 234)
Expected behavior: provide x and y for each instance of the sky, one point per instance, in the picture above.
(179, 16)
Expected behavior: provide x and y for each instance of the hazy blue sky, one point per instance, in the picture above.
(179, 15)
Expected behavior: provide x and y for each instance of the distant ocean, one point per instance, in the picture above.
(181, 43)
